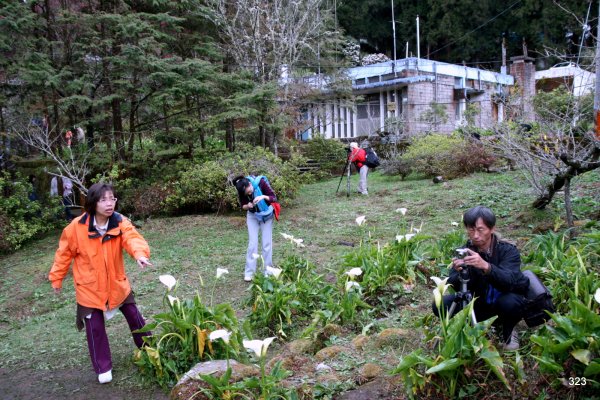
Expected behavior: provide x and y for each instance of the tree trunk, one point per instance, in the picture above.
(229, 135)
(575, 167)
(118, 128)
(569, 207)
(90, 128)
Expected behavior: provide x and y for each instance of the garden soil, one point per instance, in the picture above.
(73, 384)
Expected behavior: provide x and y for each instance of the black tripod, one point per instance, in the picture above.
(347, 174)
(464, 296)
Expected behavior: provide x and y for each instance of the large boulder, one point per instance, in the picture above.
(190, 384)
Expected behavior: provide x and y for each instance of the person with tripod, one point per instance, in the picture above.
(489, 270)
(358, 157)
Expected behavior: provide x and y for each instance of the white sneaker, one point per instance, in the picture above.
(248, 278)
(105, 377)
(513, 341)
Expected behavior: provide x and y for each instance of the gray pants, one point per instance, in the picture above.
(266, 230)
(362, 182)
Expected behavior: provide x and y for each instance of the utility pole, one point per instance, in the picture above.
(394, 34)
(418, 40)
(597, 88)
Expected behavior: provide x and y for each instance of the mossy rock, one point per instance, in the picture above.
(329, 352)
(360, 342)
(368, 372)
(390, 337)
(301, 346)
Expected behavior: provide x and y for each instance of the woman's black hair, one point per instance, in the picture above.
(94, 194)
(471, 216)
(241, 183)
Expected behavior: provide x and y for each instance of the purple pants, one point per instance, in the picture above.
(98, 340)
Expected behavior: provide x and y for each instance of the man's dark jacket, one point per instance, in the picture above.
(505, 275)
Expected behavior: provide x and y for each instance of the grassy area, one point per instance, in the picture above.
(37, 328)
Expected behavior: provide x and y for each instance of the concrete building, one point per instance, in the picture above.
(577, 80)
(407, 96)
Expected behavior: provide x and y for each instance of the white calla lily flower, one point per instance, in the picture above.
(298, 242)
(168, 280)
(286, 236)
(401, 210)
(409, 236)
(221, 272)
(354, 272)
(259, 347)
(220, 334)
(399, 238)
(352, 284)
(361, 220)
(273, 271)
(172, 299)
(441, 284)
(597, 295)
(454, 223)
(437, 298)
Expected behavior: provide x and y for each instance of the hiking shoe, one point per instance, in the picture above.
(105, 377)
(512, 343)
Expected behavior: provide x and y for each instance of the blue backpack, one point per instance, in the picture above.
(265, 212)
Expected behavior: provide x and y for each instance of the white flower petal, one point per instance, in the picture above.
(172, 299)
(298, 242)
(360, 220)
(220, 334)
(437, 297)
(409, 236)
(399, 238)
(273, 271)
(286, 236)
(401, 210)
(597, 295)
(354, 272)
(351, 284)
(221, 272)
(168, 280)
(259, 347)
(454, 223)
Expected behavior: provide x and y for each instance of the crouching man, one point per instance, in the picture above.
(496, 281)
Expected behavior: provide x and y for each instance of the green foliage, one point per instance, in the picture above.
(22, 219)
(571, 346)
(449, 156)
(329, 153)
(180, 339)
(208, 186)
(463, 355)
(569, 268)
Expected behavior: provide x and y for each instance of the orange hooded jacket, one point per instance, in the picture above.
(98, 271)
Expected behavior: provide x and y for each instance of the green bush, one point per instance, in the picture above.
(20, 218)
(448, 155)
(329, 153)
(208, 186)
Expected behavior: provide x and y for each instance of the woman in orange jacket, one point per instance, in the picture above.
(95, 242)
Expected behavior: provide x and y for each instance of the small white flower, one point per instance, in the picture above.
(259, 347)
(409, 236)
(220, 334)
(168, 280)
(441, 284)
(273, 271)
(352, 284)
(255, 256)
(298, 242)
(399, 238)
(597, 295)
(401, 210)
(454, 223)
(354, 272)
(221, 272)
(286, 236)
(360, 220)
(172, 299)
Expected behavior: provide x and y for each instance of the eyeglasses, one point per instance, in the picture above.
(108, 200)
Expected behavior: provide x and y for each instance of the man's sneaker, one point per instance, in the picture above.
(248, 278)
(105, 377)
(512, 343)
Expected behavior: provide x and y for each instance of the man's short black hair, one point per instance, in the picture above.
(471, 216)
(94, 194)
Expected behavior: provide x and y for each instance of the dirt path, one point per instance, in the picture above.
(73, 384)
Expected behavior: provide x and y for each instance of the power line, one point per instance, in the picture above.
(479, 27)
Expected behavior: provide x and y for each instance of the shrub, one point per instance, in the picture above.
(208, 186)
(329, 153)
(449, 156)
(396, 166)
(20, 218)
